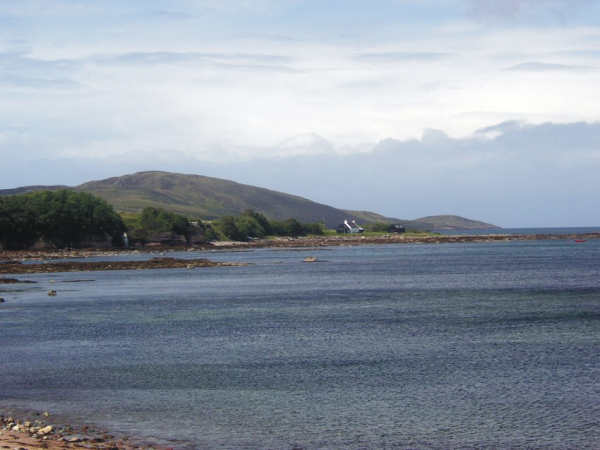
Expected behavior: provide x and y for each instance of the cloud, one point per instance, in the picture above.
(554, 10)
(584, 53)
(502, 128)
(170, 15)
(304, 144)
(38, 83)
(546, 67)
(170, 57)
(401, 56)
(21, 71)
(223, 61)
(19, 61)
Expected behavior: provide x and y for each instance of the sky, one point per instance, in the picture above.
(487, 109)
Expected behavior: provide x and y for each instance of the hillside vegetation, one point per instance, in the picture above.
(69, 219)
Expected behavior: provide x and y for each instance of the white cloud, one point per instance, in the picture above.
(535, 66)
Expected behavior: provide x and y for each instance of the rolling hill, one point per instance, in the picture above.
(206, 197)
(449, 222)
(203, 197)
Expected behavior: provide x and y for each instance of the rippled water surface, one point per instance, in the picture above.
(419, 346)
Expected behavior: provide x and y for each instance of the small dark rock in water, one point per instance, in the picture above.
(52, 293)
(13, 281)
(1, 300)
(76, 281)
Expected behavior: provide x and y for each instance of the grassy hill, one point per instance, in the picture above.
(203, 197)
(206, 197)
(441, 222)
(449, 222)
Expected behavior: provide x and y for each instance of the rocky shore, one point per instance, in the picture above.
(17, 267)
(10, 260)
(348, 240)
(40, 431)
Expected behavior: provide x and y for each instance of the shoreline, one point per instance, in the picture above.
(8, 257)
(17, 267)
(35, 430)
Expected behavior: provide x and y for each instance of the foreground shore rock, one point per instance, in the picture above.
(39, 432)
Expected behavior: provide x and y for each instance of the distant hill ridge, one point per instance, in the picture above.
(449, 222)
(208, 198)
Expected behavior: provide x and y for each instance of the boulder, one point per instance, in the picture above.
(46, 430)
(74, 438)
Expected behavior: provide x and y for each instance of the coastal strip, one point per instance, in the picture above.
(38, 431)
(16, 267)
(357, 239)
(11, 257)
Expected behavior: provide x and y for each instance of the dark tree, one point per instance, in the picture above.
(62, 218)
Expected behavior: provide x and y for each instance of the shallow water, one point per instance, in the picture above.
(420, 346)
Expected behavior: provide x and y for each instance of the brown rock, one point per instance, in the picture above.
(46, 430)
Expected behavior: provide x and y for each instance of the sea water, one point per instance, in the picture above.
(400, 346)
(525, 231)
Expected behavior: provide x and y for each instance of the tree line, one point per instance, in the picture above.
(252, 224)
(248, 225)
(61, 218)
(65, 218)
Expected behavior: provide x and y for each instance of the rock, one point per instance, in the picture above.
(2, 300)
(45, 414)
(310, 259)
(46, 430)
(74, 438)
(52, 293)
(15, 281)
